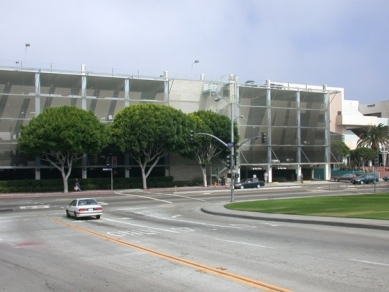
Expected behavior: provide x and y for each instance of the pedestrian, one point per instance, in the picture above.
(302, 179)
(77, 186)
(265, 176)
(255, 179)
(223, 180)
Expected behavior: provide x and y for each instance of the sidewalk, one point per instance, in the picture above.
(57, 194)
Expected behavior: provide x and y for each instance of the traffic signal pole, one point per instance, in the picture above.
(232, 155)
(231, 160)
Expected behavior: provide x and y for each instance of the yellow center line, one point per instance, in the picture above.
(216, 271)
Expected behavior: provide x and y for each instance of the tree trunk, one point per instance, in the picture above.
(204, 171)
(65, 181)
(144, 178)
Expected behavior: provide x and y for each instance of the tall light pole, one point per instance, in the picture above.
(191, 70)
(25, 53)
(231, 145)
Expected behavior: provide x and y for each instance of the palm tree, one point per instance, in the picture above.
(374, 137)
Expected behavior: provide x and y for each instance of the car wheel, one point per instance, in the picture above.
(258, 186)
(338, 180)
(98, 217)
(241, 187)
(75, 215)
(67, 214)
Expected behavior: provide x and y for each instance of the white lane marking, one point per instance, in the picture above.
(34, 207)
(186, 197)
(181, 196)
(137, 225)
(186, 221)
(245, 243)
(367, 262)
(151, 198)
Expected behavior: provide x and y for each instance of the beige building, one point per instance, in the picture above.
(299, 120)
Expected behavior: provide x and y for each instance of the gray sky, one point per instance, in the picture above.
(342, 43)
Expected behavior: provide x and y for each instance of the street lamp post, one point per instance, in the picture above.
(191, 70)
(232, 146)
(25, 53)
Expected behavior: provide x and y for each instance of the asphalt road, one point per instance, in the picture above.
(161, 240)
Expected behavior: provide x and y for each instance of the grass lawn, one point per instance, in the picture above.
(372, 206)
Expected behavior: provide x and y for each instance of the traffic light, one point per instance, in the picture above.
(191, 135)
(108, 161)
(228, 161)
(114, 161)
(376, 160)
(263, 137)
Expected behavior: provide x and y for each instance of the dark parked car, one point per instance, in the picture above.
(365, 179)
(249, 183)
(386, 178)
(344, 177)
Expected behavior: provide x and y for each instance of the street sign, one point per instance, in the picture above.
(230, 144)
(107, 169)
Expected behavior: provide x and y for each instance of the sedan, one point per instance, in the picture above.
(386, 178)
(84, 207)
(345, 177)
(249, 183)
(365, 179)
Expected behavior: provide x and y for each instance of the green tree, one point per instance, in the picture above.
(339, 150)
(61, 135)
(361, 155)
(374, 137)
(149, 132)
(205, 147)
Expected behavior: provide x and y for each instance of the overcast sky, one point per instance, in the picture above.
(341, 43)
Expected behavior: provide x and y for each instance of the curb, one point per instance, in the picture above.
(329, 221)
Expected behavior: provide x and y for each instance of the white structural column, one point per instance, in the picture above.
(299, 147)
(37, 112)
(269, 133)
(127, 84)
(126, 92)
(166, 87)
(327, 170)
(84, 81)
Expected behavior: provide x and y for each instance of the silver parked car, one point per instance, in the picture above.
(84, 207)
(345, 177)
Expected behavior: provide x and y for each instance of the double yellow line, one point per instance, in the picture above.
(222, 272)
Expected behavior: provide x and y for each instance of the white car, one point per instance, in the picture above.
(84, 207)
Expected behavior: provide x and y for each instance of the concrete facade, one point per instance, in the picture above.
(299, 120)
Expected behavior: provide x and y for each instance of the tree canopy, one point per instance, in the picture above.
(339, 150)
(361, 155)
(374, 137)
(205, 147)
(148, 132)
(61, 135)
